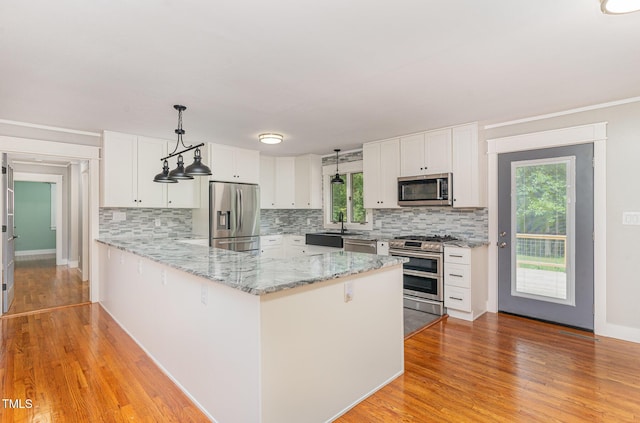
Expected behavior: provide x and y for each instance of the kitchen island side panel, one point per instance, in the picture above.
(321, 355)
(203, 334)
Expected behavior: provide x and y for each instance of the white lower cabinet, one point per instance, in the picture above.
(465, 282)
(271, 246)
(284, 246)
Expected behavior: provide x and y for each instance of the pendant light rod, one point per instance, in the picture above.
(183, 151)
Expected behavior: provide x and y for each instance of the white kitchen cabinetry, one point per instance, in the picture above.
(285, 174)
(267, 182)
(291, 182)
(128, 165)
(186, 193)
(294, 246)
(308, 182)
(231, 164)
(426, 153)
(465, 282)
(271, 246)
(468, 167)
(381, 168)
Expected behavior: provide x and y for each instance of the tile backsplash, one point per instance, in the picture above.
(142, 222)
(388, 223)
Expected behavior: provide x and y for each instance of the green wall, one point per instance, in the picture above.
(33, 216)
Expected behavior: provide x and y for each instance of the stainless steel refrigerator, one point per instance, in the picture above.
(234, 216)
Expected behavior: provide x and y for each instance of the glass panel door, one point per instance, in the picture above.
(542, 221)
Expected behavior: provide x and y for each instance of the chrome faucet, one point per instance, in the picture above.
(341, 217)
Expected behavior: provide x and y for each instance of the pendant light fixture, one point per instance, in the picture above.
(337, 179)
(197, 168)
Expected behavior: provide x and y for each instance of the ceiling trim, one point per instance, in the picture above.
(564, 113)
(50, 128)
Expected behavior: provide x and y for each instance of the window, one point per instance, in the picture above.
(346, 198)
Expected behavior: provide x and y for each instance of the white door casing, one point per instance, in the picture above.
(593, 133)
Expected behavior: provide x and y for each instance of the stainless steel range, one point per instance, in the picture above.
(423, 274)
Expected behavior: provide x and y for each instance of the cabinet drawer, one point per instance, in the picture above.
(457, 298)
(271, 240)
(457, 255)
(457, 275)
(296, 240)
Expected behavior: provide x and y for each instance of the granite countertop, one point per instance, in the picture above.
(465, 243)
(249, 272)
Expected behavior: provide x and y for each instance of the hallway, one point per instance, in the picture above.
(40, 285)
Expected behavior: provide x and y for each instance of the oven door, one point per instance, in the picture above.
(422, 275)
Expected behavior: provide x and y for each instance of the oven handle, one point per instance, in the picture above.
(404, 253)
(421, 274)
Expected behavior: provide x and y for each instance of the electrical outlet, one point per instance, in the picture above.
(348, 292)
(204, 294)
(158, 223)
(631, 218)
(119, 216)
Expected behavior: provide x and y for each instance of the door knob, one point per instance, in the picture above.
(503, 233)
(502, 244)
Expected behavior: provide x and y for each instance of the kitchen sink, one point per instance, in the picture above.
(325, 239)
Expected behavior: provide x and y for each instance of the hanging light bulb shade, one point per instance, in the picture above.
(164, 176)
(619, 7)
(337, 179)
(179, 172)
(197, 168)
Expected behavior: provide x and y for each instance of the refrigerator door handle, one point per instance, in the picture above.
(241, 209)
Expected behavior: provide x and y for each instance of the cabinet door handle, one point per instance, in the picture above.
(453, 274)
(455, 255)
(455, 298)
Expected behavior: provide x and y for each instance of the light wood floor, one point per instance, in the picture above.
(40, 284)
(77, 365)
(503, 368)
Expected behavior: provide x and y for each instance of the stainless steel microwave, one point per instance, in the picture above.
(425, 190)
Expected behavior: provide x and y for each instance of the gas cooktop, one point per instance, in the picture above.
(428, 238)
(428, 243)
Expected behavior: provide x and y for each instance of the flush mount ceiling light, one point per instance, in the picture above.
(270, 138)
(197, 168)
(337, 179)
(619, 7)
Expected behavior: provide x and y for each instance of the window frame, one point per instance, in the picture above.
(347, 169)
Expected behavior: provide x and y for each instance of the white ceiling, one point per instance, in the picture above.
(326, 74)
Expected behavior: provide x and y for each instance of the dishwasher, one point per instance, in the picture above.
(370, 246)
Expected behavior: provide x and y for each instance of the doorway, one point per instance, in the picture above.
(545, 224)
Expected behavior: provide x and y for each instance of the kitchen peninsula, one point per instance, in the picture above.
(259, 339)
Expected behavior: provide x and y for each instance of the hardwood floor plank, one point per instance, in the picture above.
(507, 369)
(77, 365)
(40, 284)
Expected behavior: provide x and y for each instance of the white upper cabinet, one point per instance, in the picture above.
(186, 193)
(469, 168)
(291, 182)
(308, 182)
(267, 182)
(426, 153)
(381, 168)
(150, 194)
(285, 174)
(128, 165)
(231, 164)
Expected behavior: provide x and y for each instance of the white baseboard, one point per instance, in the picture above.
(72, 264)
(35, 252)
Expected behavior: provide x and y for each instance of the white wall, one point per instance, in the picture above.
(623, 194)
